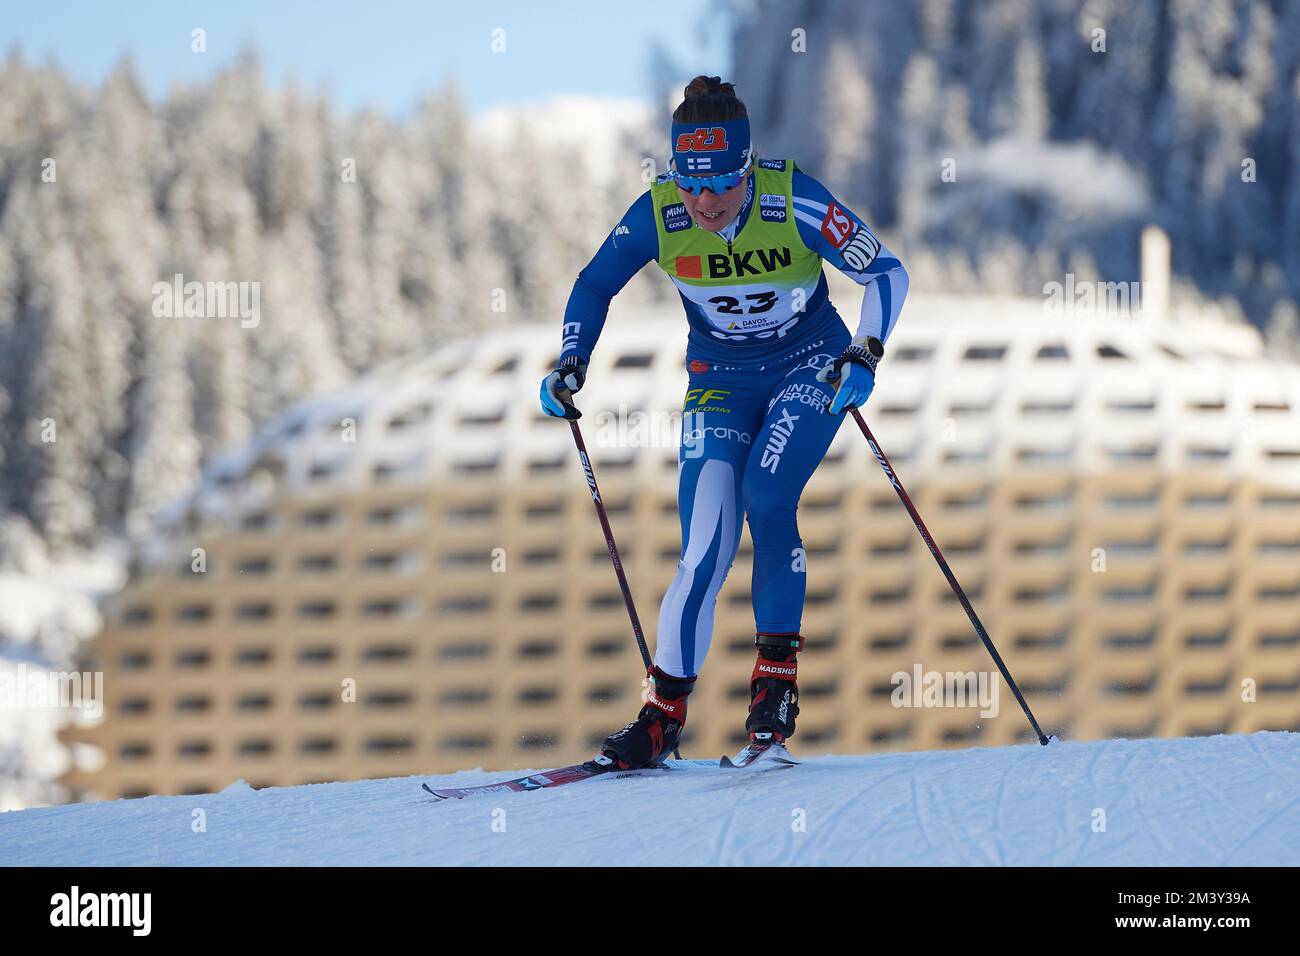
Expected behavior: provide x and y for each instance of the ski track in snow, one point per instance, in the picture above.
(1198, 801)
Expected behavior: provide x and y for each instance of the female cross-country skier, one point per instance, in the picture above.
(772, 368)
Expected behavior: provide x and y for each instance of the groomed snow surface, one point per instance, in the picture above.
(1198, 801)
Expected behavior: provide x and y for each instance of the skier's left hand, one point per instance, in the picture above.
(853, 376)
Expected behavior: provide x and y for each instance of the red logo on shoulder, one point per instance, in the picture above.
(697, 366)
(837, 227)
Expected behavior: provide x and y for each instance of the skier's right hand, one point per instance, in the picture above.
(559, 387)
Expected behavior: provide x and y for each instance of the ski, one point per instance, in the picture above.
(559, 777)
(769, 753)
(758, 755)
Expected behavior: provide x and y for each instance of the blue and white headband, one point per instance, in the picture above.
(711, 148)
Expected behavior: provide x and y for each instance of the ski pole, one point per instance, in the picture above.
(572, 414)
(947, 571)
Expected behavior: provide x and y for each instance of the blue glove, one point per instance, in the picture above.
(558, 387)
(854, 376)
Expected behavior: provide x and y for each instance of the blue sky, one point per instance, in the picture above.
(383, 52)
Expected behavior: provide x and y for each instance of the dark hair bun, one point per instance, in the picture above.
(704, 85)
(709, 100)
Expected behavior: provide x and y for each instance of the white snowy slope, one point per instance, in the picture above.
(1201, 801)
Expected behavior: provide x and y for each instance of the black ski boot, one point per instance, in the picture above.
(774, 688)
(654, 734)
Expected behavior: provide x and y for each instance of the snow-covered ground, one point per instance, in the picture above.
(1202, 801)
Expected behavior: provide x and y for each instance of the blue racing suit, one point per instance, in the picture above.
(754, 425)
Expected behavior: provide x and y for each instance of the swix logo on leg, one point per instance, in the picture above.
(781, 432)
(703, 139)
(837, 227)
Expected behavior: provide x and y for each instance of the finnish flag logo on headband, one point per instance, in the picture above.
(711, 147)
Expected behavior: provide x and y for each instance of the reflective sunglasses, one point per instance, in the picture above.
(718, 184)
